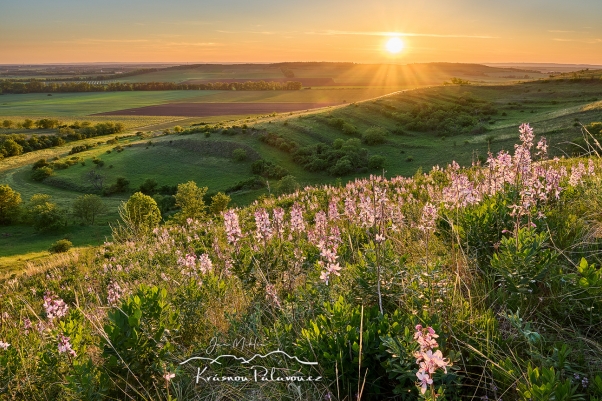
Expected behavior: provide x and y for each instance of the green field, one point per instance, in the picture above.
(84, 104)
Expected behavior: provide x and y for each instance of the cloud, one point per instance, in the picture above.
(588, 41)
(90, 41)
(373, 33)
(559, 31)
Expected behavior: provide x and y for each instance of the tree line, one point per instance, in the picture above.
(12, 87)
(17, 144)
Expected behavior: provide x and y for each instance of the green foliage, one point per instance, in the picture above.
(120, 186)
(376, 162)
(60, 246)
(10, 200)
(333, 339)
(149, 187)
(44, 214)
(39, 164)
(480, 227)
(189, 199)
(239, 155)
(140, 335)
(88, 207)
(523, 266)
(268, 169)
(375, 136)
(545, 384)
(340, 158)
(219, 203)
(140, 215)
(288, 184)
(10, 148)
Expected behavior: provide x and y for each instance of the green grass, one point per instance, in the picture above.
(83, 104)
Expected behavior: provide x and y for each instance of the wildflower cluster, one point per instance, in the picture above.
(55, 307)
(428, 361)
(64, 346)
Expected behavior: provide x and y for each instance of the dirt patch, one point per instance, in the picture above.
(214, 109)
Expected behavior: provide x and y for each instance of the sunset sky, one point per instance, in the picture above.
(310, 30)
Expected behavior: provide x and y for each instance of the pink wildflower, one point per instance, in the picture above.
(65, 346)
(233, 232)
(4, 345)
(114, 293)
(54, 306)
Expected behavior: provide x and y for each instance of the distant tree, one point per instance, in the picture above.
(165, 203)
(139, 215)
(177, 128)
(149, 187)
(40, 163)
(88, 207)
(287, 185)
(27, 124)
(40, 174)
(9, 204)
(96, 179)
(44, 214)
(374, 136)
(376, 162)
(189, 199)
(219, 202)
(7, 124)
(11, 148)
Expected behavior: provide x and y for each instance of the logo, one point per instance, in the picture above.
(274, 366)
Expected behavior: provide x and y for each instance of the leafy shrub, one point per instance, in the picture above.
(523, 266)
(375, 136)
(60, 246)
(333, 338)
(40, 163)
(42, 173)
(376, 162)
(239, 155)
(139, 340)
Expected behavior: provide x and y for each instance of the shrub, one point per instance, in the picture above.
(42, 173)
(239, 155)
(376, 162)
(343, 167)
(219, 203)
(374, 136)
(60, 246)
(140, 215)
(39, 164)
(139, 339)
(287, 184)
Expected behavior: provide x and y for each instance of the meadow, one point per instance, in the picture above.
(462, 283)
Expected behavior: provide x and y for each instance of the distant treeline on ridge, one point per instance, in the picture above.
(8, 86)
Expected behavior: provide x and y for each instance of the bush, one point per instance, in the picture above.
(239, 155)
(288, 184)
(343, 167)
(375, 136)
(42, 173)
(40, 163)
(60, 246)
(376, 162)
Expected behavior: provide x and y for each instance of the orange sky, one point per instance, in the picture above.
(269, 30)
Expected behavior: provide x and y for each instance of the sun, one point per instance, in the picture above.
(394, 45)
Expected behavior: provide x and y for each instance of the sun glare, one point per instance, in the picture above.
(394, 45)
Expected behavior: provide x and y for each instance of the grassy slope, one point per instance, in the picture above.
(555, 107)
